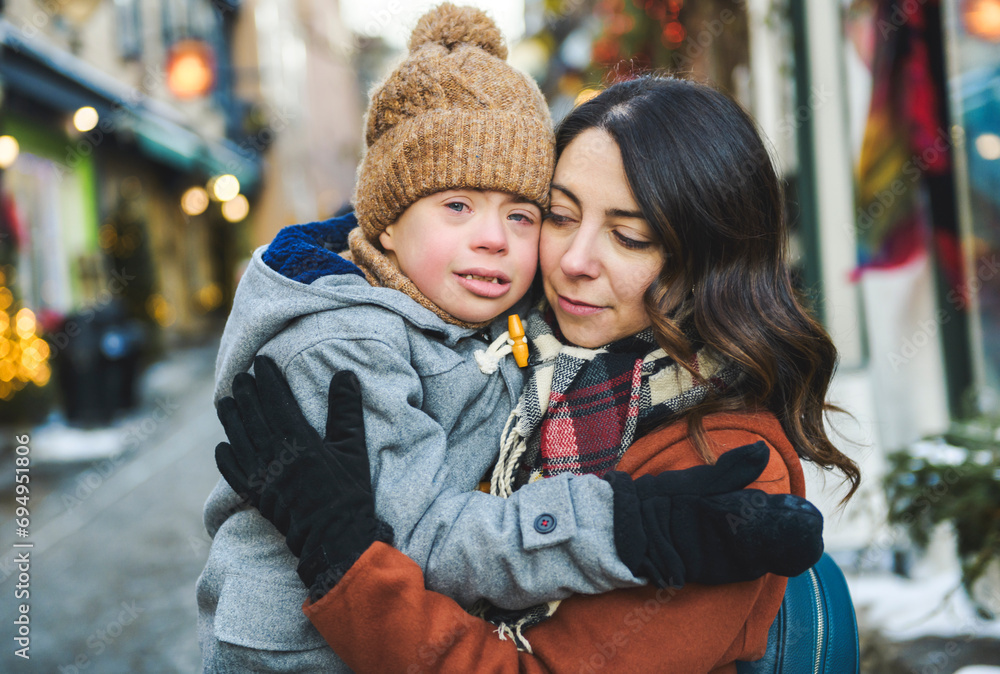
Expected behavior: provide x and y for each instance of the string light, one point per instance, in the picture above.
(24, 355)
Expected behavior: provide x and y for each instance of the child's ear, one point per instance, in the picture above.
(385, 238)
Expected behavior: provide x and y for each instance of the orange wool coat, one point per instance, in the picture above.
(380, 618)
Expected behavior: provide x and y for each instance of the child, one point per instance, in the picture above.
(448, 203)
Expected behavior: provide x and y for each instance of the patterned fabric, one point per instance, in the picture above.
(904, 196)
(580, 411)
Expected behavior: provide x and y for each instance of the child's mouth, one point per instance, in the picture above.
(484, 284)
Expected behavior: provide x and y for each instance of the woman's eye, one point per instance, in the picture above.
(557, 219)
(629, 242)
(456, 206)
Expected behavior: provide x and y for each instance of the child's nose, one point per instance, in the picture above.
(491, 235)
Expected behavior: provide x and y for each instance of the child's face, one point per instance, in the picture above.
(442, 239)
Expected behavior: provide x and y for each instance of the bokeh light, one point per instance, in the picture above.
(236, 209)
(194, 201)
(85, 118)
(224, 187)
(9, 149)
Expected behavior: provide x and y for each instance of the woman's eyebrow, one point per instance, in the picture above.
(621, 213)
(572, 197)
(611, 212)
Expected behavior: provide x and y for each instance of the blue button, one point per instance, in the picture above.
(545, 523)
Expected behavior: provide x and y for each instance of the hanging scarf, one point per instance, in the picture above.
(580, 411)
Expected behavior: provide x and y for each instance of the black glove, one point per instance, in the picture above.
(316, 491)
(701, 526)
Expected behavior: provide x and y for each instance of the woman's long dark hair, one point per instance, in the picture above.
(706, 185)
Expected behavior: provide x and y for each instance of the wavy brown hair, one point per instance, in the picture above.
(706, 185)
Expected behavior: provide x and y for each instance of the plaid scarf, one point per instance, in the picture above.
(580, 411)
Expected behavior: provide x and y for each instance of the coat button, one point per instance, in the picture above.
(545, 523)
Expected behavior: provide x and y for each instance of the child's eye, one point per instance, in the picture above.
(456, 206)
(522, 217)
(629, 242)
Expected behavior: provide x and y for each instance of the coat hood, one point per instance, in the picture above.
(298, 274)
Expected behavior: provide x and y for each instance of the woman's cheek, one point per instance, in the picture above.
(549, 253)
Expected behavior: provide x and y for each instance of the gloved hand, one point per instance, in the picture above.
(316, 491)
(701, 526)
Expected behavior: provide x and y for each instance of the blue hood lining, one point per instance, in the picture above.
(307, 252)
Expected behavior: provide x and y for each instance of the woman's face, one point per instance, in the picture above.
(597, 253)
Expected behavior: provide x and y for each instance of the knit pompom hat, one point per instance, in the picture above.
(452, 115)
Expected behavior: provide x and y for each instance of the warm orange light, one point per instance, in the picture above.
(236, 209)
(194, 201)
(9, 149)
(982, 18)
(190, 69)
(674, 33)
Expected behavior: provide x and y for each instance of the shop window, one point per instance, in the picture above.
(129, 19)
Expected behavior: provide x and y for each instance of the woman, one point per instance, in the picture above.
(666, 216)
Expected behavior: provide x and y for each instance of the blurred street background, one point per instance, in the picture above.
(147, 148)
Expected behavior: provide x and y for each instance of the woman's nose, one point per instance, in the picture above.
(580, 259)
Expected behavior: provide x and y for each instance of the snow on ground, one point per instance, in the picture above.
(903, 609)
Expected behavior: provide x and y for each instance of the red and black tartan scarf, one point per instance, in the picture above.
(582, 408)
(579, 412)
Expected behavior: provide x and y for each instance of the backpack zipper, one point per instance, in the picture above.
(820, 622)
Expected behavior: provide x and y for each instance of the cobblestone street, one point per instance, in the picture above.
(119, 542)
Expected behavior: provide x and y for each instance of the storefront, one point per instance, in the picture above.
(93, 177)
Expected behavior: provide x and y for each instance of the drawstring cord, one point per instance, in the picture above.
(512, 341)
(489, 360)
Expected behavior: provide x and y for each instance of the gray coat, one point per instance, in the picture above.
(433, 424)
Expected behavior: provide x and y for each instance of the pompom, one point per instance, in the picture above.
(451, 26)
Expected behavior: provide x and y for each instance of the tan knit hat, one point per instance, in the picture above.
(454, 114)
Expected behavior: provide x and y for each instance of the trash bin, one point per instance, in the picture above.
(98, 363)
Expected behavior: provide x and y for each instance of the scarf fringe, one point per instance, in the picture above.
(656, 386)
(513, 446)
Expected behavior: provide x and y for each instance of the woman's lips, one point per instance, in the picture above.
(483, 288)
(577, 308)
